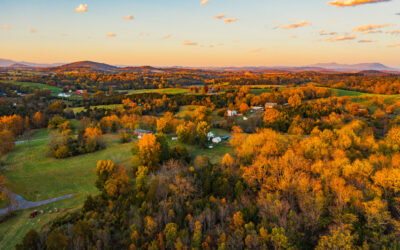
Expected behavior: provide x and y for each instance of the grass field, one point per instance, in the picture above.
(54, 90)
(186, 110)
(111, 106)
(170, 91)
(33, 175)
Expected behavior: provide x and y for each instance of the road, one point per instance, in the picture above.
(19, 203)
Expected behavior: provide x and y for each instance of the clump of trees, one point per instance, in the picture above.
(64, 144)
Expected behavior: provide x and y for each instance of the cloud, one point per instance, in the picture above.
(189, 43)
(341, 38)
(370, 28)
(204, 2)
(166, 37)
(366, 41)
(347, 3)
(256, 50)
(393, 32)
(293, 36)
(81, 8)
(220, 16)
(296, 25)
(231, 20)
(5, 26)
(323, 33)
(394, 45)
(111, 34)
(128, 17)
(32, 30)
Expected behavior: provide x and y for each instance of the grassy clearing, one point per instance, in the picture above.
(53, 89)
(351, 93)
(13, 230)
(185, 111)
(35, 176)
(170, 91)
(110, 106)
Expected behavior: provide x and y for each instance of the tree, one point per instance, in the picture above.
(171, 234)
(294, 101)
(337, 239)
(149, 151)
(271, 116)
(6, 142)
(93, 139)
(244, 108)
(202, 131)
(56, 241)
(31, 241)
(39, 120)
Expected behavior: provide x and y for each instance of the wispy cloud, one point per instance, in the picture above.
(256, 50)
(393, 32)
(204, 2)
(166, 37)
(189, 43)
(111, 34)
(342, 38)
(348, 3)
(366, 41)
(370, 28)
(32, 31)
(394, 45)
(231, 20)
(293, 36)
(323, 33)
(220, 16)
(296, 25)
(128, 17)
(5, 27)
(81, 8)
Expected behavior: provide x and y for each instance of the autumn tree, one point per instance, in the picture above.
(149, 151)
(6, 142)
(39, 120)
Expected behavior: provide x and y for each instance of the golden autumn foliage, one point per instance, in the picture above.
(149, 150)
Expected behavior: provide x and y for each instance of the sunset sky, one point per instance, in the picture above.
(201, 33)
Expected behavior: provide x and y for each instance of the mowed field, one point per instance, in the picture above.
(110, 106)
(170, 91)
(53, 89)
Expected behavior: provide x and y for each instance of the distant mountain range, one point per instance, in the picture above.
(354, 67)
(9, 63)
(89, 66)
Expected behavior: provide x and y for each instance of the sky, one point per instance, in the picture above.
(201, 32)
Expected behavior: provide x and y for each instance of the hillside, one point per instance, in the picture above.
(82, 66)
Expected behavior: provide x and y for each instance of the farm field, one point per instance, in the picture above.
(54, 90)
(110, 106)
(171, 91)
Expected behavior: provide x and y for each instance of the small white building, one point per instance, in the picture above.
(216, 140)
(257, 108)
(174, 138)
(231, 113)
(210, 135)
(245, 118)
(63, 95)
(270, 105)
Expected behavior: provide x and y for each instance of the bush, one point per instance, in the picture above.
(62, 152)
(125, 137)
